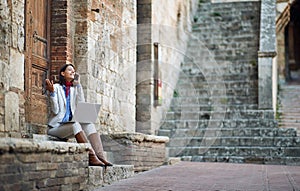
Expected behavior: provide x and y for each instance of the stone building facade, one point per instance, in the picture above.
(99, 37)
(129, 55)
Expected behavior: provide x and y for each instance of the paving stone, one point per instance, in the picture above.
(200, 176)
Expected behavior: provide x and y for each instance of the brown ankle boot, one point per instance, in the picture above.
(96, 143)
(93, 159)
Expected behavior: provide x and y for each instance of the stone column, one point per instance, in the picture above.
(266, 53)
(145, 67)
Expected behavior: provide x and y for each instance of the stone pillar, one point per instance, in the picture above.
(266, 53)
(145, 67)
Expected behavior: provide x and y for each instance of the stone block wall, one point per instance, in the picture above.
(31, 165)
(145, 152)
(12, 114)
(105, 54)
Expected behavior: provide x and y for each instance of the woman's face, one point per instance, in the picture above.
(69, 73)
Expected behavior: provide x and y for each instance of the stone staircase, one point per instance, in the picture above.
(289, 106)
(214, 114)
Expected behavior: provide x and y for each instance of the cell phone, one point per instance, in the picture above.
(76, 77)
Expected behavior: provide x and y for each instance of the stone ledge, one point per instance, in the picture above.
(139, 137)
(99, 177)
(143, 151)
(53, 165)
(32, 145)
(271, 54)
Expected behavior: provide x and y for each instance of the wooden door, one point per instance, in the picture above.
(36, 64)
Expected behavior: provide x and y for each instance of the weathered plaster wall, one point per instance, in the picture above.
(12, 68)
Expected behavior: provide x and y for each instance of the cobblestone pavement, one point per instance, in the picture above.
(197, 176)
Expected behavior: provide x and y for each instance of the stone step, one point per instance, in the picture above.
(198, 87)
(293, 161)
(214, 92)
(215, 100)
(290, 125)
(240, 151)
(290, 119)
(230, 76)
(215, 123)
(209, 92)
(234, 141)
(99, 176)
(229, 132)
(234, 114)
(209, 107)
(225, 69)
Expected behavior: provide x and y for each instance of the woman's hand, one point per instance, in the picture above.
(49, 85)
(76, 80)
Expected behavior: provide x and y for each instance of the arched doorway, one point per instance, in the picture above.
(292, 45)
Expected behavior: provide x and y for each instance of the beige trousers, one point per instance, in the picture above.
(68, 130)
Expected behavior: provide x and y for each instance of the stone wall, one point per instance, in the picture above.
(40, 164)
(144, 152)
(104, 51)
(172, 29)
(29, 165)
(170, 24)
(12, 114)
(99, 37)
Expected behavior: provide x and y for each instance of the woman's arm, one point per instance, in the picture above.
(54, 99)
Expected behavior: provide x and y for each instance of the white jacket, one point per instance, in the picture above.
(58, 103)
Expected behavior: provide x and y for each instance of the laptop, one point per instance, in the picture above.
(85, 113)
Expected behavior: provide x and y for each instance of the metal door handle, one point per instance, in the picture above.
(36, 37)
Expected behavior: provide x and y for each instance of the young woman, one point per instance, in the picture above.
(64, 97)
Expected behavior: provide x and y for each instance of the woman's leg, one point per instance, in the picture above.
(93, 159)
(74, 129)
(95, 141)
(64, 131)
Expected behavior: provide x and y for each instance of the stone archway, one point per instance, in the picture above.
(293, 43)
(288, 41)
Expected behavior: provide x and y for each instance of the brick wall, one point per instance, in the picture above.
(61, 36)
(32, 165)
